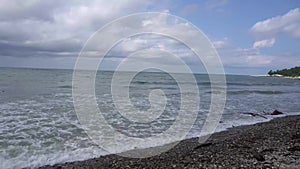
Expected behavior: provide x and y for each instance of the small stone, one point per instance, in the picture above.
(259, 157)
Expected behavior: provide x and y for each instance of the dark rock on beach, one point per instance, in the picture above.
(273, 144)
(276, 112)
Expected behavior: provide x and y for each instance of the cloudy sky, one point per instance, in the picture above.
(251, 36)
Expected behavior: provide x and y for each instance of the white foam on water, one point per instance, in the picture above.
(38, 160)
(43, 131)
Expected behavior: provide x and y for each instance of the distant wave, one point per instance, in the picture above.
(239, 84)
(206, 83)
(170, 83)
(250, 92)
(65, 87)
(160, 83)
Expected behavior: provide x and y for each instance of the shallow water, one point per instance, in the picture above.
(39, 125)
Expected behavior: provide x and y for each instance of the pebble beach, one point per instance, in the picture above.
(273, 144)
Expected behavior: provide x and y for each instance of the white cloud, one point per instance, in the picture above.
(49, 20)
(259, 59)
(264, 43)
(13, 10)
(36, 24)
(59, 28)
(253, 58)
(221, 43)
(288, 24)
(233, 56)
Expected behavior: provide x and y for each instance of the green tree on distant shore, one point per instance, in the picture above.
(293, 72)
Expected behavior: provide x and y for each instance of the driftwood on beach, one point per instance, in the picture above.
(275, 112)
(254, 114)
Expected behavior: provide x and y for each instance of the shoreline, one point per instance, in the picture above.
(277, 76)
(275, 143)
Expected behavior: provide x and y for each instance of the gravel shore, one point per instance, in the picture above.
(274, 144)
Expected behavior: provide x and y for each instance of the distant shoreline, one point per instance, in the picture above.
(287, 77)
(249, 146)
(279, 76)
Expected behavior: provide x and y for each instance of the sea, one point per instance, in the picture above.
(39, 125)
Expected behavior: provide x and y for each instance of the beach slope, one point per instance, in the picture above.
(274, 144)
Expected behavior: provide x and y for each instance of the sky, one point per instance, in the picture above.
(251, 36)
